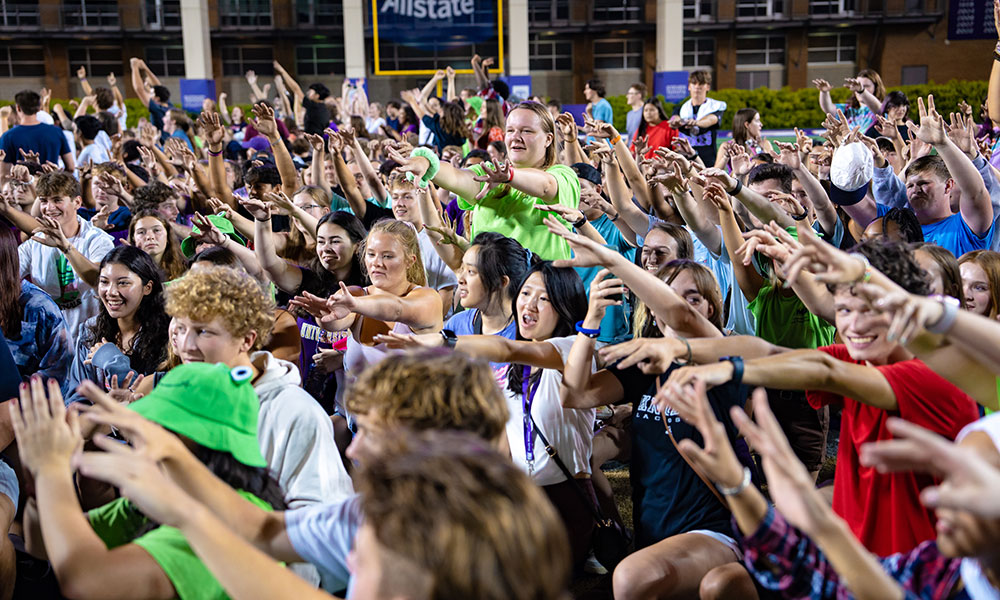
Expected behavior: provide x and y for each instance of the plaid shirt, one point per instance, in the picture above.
(785, 561)
(488, 93)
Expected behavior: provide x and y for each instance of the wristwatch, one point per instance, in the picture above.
(580, 223)
(450, 339)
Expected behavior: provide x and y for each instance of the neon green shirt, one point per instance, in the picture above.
(117, 524)
(785, 321)
(511, 212)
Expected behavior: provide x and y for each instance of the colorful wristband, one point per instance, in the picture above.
(616, 139)
(210, 153)
(591, 333)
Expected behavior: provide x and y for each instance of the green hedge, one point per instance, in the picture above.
(787, 108)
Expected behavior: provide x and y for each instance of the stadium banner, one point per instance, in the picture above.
(439, 31)
(970, 20)
(673, 85)
(194, 92)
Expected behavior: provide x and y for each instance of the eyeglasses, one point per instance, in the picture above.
(310, 206)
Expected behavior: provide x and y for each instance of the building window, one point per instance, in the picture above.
(245, 13)
(319, 59)
(829, 48)
(759, 8)
(617, 10)
(90, 13)
(162, 14)
(751, 80)
(237, 60)
(547, 11)
(100, 61)
(699, 52)
(22, 61)
(697, 10)
(914, 75)
(318, 12)
(617, 54)
(14, 14)
(831, 7)
(760, 50)
(549, 54)
(166, 60)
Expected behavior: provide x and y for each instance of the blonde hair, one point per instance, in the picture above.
(406, 234)
(455, 519)
(548, 126)
(464, 395)
(206, 294)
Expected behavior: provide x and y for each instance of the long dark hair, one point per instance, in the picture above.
(356, 231)
(565, 291)
(149, 346)
(256, 480)
(499, 257)
(741, 119)
(643, 126)
(11, 312)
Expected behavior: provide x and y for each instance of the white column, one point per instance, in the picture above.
(197, 43)
(669, 35)
(517, 36)
(354, 39)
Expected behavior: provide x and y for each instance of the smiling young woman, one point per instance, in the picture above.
(502, 196)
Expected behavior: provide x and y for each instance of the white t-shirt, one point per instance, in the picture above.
(569, 430)
(94, 153)
(323, 535)
(42, 265)
(439, 274)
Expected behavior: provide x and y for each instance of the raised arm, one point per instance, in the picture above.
(461, 182)
(284, 275)
(364, 164)
(747, 278)
(425, 92)
(825, 101)
(293, 85)
(264, 122)
(420, 309)
(572, 153)
(690, 209)
(658, 296)
(81, 74)
(318, 165)
(864, 97)
(826, 213)
(450, 253)
(631, 221)
(138, 85)
(355, 199)
(214, 137)
(256, 94)
(633, 175)
(975, 206)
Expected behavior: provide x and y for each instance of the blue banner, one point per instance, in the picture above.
(194, 92)
(970, 20)
(672, 84)
(427, 23)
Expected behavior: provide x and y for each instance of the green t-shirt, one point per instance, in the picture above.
(511, 212)
(117, 523)
(785, 321)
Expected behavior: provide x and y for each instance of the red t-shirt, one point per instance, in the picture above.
(884, 510)
(661, 134)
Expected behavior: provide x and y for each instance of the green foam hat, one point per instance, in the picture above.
(211, 404)
(222, 224)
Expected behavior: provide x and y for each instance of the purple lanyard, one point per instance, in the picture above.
(529, 432)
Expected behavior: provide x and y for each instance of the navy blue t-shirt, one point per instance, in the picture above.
(47, 140)
(442, 138)
(118, 220)
(668, 497)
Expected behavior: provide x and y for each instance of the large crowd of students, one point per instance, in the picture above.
(384, 350)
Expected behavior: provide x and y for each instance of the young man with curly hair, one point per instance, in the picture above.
(387, 398)
(220, 316)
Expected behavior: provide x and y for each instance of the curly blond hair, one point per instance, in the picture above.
(464, 394)
(211, 293)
